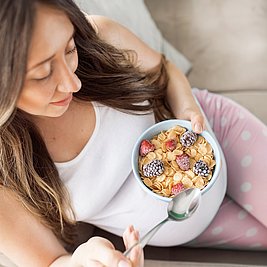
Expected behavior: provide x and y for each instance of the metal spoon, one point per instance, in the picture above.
(182, 206)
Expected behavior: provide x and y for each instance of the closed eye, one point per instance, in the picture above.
(73, 50)
(44, 78)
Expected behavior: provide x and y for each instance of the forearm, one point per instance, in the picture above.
(181, 99)
(179, 93)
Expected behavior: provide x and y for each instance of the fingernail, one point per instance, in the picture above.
(123, 263)
(198, 127)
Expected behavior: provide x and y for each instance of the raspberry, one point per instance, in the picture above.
(183, 161)
(153, 168)
(145, 147)
(177, 188)
(188, 138)
(171, 144)
(201, 168)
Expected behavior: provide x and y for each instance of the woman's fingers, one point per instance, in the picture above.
(196, 118)
(109, 256)
(130, 238)
(126, 235)
(197, 122)
(193, 114)
(99, 250)
(137, 256)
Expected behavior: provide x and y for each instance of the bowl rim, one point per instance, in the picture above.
(172, 122)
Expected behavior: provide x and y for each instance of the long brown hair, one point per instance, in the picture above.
(108, 75)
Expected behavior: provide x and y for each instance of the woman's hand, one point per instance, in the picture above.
(99, 252)
(130, 237)
(193, 114)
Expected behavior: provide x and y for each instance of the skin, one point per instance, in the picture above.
(51, 78)
(50, 73)
(179, 94)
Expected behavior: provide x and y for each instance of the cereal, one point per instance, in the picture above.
(166, 153)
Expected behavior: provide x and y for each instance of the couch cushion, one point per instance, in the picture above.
(224, 40)
(135, 16)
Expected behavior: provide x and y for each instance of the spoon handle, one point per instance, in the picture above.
(144, 240)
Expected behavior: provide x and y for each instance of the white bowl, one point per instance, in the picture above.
(166, 125)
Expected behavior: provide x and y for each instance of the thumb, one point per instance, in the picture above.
(197, 122)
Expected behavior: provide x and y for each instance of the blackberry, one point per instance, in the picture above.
(201, 168)
(188, 138)
(153, 168)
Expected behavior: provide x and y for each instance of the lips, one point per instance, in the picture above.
(63, 102)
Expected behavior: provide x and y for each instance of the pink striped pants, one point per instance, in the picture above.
(241, 221)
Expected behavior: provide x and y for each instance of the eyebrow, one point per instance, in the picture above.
(48, 59)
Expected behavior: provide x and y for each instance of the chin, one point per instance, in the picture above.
(48, 113)
(58, 114)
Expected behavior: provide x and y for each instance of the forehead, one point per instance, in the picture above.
(51, 29)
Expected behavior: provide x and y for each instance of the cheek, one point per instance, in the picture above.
(34, 97)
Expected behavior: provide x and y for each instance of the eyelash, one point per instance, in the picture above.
(73, 50)
(45, 78)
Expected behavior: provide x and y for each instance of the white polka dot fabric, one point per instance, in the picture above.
(242, 218)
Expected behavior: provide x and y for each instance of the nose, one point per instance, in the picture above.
(68, 82)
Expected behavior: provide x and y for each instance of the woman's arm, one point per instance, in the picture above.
(27, 242)
(23, 238)
(179, 93)
(181, 99)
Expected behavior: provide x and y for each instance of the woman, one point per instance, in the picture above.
(70, 92)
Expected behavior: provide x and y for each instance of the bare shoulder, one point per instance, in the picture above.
(106, 28)
(121, 37)
(22, 237)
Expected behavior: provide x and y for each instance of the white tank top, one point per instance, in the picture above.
(104, 192)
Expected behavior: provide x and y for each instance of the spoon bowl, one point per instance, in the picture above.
(184, 204)
(181, 207)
